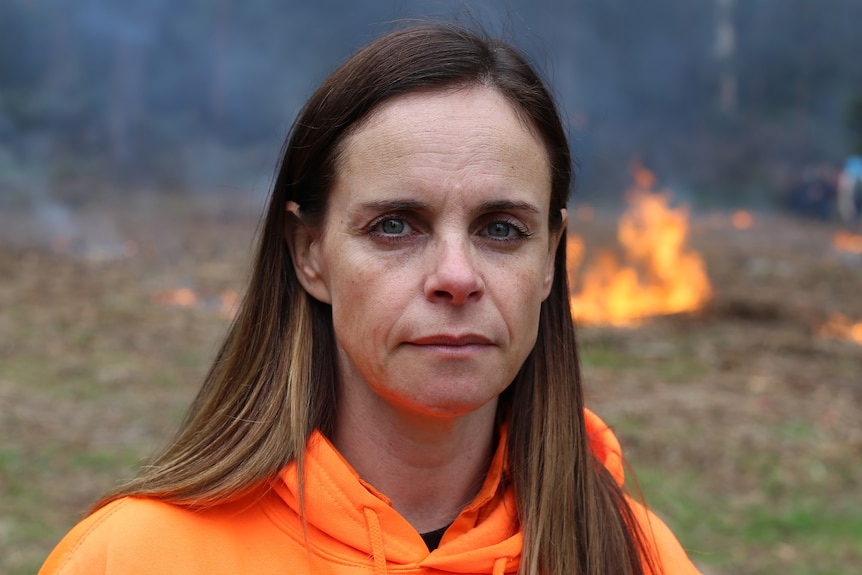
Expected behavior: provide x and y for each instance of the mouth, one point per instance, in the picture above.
(455, 341)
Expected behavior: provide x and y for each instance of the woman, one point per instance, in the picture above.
(400, 390)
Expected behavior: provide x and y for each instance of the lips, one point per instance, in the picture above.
(444, 340)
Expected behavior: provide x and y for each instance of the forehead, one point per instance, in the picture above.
(462, 132)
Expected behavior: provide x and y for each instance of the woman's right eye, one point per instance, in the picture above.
(391, 226)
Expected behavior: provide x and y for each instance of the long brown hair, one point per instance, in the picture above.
(273, 381)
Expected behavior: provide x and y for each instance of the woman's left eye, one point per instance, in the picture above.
(501, 230)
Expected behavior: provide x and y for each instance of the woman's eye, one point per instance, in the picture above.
(503, 230)
(393, 227)
(499, 230)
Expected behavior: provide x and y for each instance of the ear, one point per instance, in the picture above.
(303, 241)
(553, 243)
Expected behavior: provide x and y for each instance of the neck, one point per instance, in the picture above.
(429, 467)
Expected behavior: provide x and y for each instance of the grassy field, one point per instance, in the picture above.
(741, 422)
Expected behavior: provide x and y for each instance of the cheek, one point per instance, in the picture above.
(364, 307)
(527, 284)
(518, 297)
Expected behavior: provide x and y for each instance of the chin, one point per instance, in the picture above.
(449, 407)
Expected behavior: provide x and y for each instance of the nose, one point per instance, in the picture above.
(453, 276)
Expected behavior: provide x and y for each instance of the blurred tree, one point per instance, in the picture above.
(725, 47)
(144, 86)
(23, 61)
(854, 123)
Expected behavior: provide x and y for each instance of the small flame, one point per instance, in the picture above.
(847, 242)
(226, 303)
(742, 220)
(661, 276)
(644, 179)
(180, 297)
(839, 326)
(229, 304)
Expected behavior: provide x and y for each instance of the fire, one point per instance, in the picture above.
(840, 326)
(226, 303)
(180, 297)
(742, 220)
(659, 274)
(229, 302)
(847, 242)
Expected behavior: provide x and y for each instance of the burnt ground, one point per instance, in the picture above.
(741, 421)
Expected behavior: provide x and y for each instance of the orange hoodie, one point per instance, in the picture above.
(349, 529)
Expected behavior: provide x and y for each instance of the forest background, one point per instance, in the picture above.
(725, 100)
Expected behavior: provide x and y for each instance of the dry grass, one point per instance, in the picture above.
(741, 422)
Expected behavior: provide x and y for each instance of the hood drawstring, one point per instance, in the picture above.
(375, 533)
(378, 555)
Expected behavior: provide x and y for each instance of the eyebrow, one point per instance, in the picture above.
(418, 206)
(395, 205)
(504, 205)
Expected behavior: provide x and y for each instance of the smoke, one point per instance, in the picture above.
(199, 95)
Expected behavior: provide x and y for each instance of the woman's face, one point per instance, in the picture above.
(436, 252)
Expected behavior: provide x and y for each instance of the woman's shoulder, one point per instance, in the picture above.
(141, 535)
(605, 446)
(86, 547)
(672, 558)
(667, 549)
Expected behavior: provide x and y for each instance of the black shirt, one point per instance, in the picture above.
(432, 538)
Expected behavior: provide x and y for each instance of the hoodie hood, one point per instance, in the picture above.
(348, 518)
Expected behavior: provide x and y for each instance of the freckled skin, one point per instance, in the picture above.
(435, 256)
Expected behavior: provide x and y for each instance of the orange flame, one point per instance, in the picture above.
(181, 297)
(226, 303)
(229, 303)
(660, 276)
(644, 179)
(742, 220)
(847, 242)
(839, 326)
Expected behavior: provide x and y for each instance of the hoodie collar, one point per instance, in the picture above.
(348, 519)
